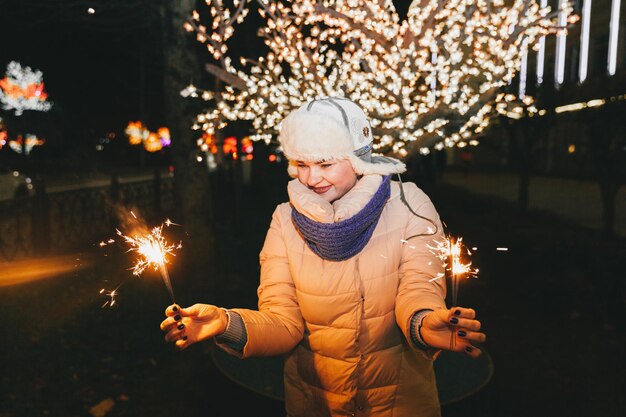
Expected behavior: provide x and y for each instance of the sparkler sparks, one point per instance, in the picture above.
(152, 248)
(454, 255)
(112, 294)
(153, 252)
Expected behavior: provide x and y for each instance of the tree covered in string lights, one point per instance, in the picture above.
(432, 79)
(23, 89)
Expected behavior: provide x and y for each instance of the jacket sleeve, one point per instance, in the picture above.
(277, 327)
(422, 283)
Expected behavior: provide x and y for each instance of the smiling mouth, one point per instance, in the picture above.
(321, 190)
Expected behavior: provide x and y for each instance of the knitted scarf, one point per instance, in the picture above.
(342, 240)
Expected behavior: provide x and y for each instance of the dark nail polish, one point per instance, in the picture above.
(175, 308)
(454, 320)
(457, 312)
(177, 317)
(468, 349)
(181, 326)
(461, 333)
(184, 337)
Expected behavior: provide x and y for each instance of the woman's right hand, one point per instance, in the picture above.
(186, 326)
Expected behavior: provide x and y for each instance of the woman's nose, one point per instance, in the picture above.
(314, 176)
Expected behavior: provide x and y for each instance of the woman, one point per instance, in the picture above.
(347, 291)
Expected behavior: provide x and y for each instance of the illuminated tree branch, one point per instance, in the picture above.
(433, 78)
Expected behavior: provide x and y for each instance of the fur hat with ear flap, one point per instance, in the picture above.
(333, 129)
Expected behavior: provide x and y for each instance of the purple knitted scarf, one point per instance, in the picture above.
(342, 240)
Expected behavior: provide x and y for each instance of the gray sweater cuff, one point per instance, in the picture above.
(414, 330)
(235, 335)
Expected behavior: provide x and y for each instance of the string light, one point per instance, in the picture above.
(23, 89)
(559, 67)
(445, 63)
(584, 41)
(541, 51)
(614, 36)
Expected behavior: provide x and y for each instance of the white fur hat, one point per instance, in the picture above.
(333, 128)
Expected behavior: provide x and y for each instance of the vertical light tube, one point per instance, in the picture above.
(613, 37)
(561, 38)
(541, 53)
(584, 41)
(522, 73)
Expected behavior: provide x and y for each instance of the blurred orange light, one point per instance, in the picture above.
(135, 131)
(272, 158)
(153, 143)
(246, 145)
(249, 157)
(230, 145)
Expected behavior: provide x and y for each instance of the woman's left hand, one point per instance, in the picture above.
(437, 327)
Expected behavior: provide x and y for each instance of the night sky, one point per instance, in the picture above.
(100, 70)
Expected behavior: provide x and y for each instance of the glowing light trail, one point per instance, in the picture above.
(613, 37)
(541, 53)
(584, 41)
(561, 38)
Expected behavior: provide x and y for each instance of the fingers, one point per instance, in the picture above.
(469, 324)
(464, 317)
(467, 330)
(170, 322)
(174, 327)
(172, 310)
(466, 313)
(177, 334)
(471, 337)
(183, 343)
(472, 351)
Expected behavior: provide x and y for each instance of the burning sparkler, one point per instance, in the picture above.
(153, 252)
(453, 253)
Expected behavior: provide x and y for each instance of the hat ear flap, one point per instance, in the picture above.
(292, 169)
(381, 165)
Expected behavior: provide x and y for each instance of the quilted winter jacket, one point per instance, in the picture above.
(343, 326)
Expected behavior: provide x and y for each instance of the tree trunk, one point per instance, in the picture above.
(521, 151)
(191, 180)
(608, 192)
(604, 149)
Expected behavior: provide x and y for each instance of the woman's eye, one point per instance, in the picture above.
(326, 165)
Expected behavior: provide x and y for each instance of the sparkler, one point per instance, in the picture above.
(454, 254)
(153, 252)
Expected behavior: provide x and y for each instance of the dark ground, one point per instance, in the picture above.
(552, 306)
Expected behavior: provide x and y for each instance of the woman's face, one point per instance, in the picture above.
(331, 180)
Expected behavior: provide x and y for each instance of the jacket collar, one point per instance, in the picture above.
(316, 208)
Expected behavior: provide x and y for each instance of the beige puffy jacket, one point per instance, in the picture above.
(344, 325)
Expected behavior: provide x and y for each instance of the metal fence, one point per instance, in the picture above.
(52, 222)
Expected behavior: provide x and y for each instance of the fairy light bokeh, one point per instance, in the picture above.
(434, 77)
